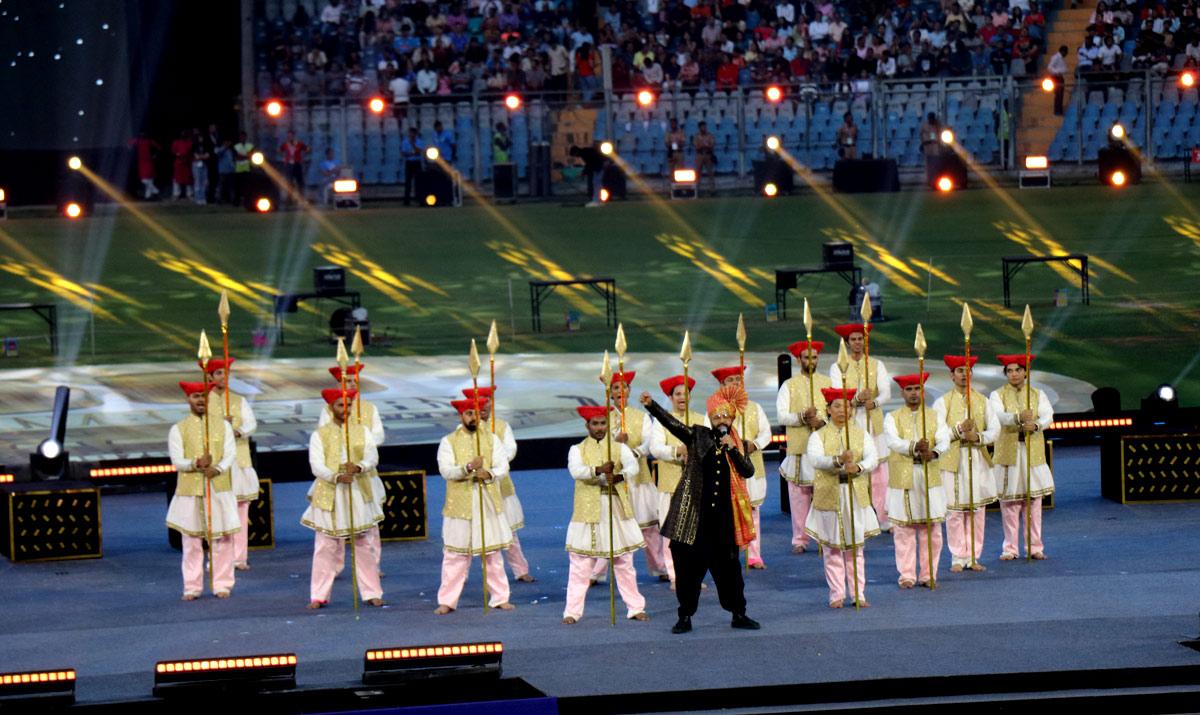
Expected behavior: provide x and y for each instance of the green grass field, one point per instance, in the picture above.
(433, 279)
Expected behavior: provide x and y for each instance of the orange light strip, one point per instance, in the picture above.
(102, 472)
(246, 663)
(779, 438)
(435, 651)
(44, 676)
(7, 478)
(1092, 424)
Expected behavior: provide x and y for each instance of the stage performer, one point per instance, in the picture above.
(341, 495)
(837, 470)
(757, 438)
(1019, 424)
(670, 455)
(364, 413)
(914, 450)
(512, 503)
(465, 463)
(966, 464)
(599, 483)
(801, 407)
(204, 478)
(869, 397)
(245, 479)
(709, 519)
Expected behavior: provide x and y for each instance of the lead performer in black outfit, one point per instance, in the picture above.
(710, 515)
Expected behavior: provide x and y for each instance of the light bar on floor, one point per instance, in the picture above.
(1092, 424)
(7, 478)
(392, 665)
(130, 471)
(41, 686)
(251, 672)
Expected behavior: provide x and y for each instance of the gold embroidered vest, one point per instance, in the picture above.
(191, 429)
(956, 412)
(854, 379)
(636, 424)
(507, 488)
(333, 441)
(1008, 442)
(458, 492)
(900, 466)
(825, 482)
(587, 496)
(800, 398)
(216, 407)
(751, 430)
(669, 473)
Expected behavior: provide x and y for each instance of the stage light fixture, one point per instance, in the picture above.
(345, 193)
(263, 205)
(7, 478)
(1187, 79)
(49, 449)
(770, 190)
(947, 137)
(684, 176)
(49, 461)
(137, 470)
(1091, 424)
(1034, 163)
(645, 98)
(376, 105)
(1048, 84)
(945, 184)
(273, 108)
(683, 184)
(1160, 406)
(254, 673)
(1165, 393)
(604, 195)
(345, 186)
(75, 163)
(431, 200)
(774, 94)
(1036, 174)
(1117, 178)
(606, 148)
(773, 143)
(37, 687)
(3, 204)
(73, 210)
(258, 158)
(513, 102)
(1117, 132)
(432, 153)
(398, 665)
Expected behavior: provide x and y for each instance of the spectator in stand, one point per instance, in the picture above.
(1057, 69)
(293, 152)
(225, 183)
(847, 138)
(399, 86)
(1110, 56)
(427, 80)
(444, 141)
(200, 157)
(212, 142)
(145, 148)
(331, 170)
(241, 167)
(652, 73)
(331, 14)
(704, 145)
(501, 144)
(587, 62)
(1025, 54)
(412, 151)
(181, 176)
(931, 146)
(676, 140)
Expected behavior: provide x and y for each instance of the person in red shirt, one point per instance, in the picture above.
(727, 74)
(293, 152)
(181, 149)
(146, 148)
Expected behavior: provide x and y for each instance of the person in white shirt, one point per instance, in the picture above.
(331, 14)
(757, 437)
(1057, 69)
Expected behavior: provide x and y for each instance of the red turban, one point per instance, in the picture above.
(847, 329)
(625, 377)
(351, 371)
(722, 373)
(468, 404)
(799, 347)
(835, 393)
(218, 364)
(485, 393)
(909, 380)
(956, 361)
(668, 385)
(191, 388)
(731, 396)
(334, 394)
(1018, 359)
(590, 412)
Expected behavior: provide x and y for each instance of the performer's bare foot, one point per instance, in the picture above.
(957, 568)
(592, 582)
(672, 585)
(665, 577)
(923, 584)
(569, 620)
(506, 606)
(758, 566)
(835, 604)
(526, 578)
(442, 610)
(907, 583)
(639, 617)
(190, 596)
(1007, 556)
(314, 605)
(377, 602)
(799, 549)
(1039, 556)
(862, 603)
(977, 567)
(221, 594)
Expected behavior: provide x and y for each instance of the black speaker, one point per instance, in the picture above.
(948, 164)
(539, 169)
(328, 280)
(1113, 158)
(504, 182)
(837, 254)
(860, 176)
(775, 171)
(435, 182)
(613, 179)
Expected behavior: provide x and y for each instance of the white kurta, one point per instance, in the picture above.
(643, 496)
(1010, 479)
(245, 479)
(664, 452)
(883, 382)
(973, 474)
(789, 418)
(512, 504)
(377, 434)
(756, 486)
(462, 535)
(592, 539)
(906, 507)
(186, 514)
(336, 522)
(832, 528)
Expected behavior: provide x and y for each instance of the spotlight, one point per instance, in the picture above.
(1036, 162)
(1117, 132)
(1036, 174)
(75, 163)
(606, 148)
(263, 205)
(683, 184)
(773, 143)
(397, 665)
(345, 186)
(1048, 85)
(513, 102)
(73, 210)
(273, 108)
(947, 137)
(1117, 178)
(1165, 393)
(257, 158)
(684, 176)
(774, 94)
(49, 460)
(376, 105)
(604, 196)
(1187, 79)
(432, 153)
(40, 690)
(945, 184)
(770, 190)
(645, 98)
(431, 200)
(3, 204)
(244, 674)
(49, 449)
(1160, 406)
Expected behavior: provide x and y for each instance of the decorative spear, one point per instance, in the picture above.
(968, 324)
(620, 348)
(493, 344)
(867, 312)
(1027, 328)
(343, 360)
(919, 345)
(741, 341)
(223, 313)
(606, 377)
(356, 349)
(812, 390)
(685, 355)
(843, 363)
(203, 355)
(473, 365)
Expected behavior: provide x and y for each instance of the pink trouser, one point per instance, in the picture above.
(912, 545)
(329, 557)
(655, 561)
(582, 570)
(516, 558)
(1013, 513)
(193, 564)
(667, 559)
(839, 572)
(800, 499)
(455, 567)
(879, 487)
(754, 548)
(958, 532)
(241, 540)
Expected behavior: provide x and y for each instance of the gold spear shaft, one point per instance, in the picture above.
(620, 347)
(204, 354)
(343, 361)
(967, 323)
(920, 346)
(812, 387)
(685, 355)
(844, 367)
(606, 378)
(1027, 328)
(741, 340)
(473, 365)
(223, 312)
(356, 347)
